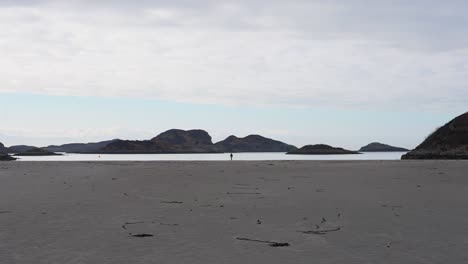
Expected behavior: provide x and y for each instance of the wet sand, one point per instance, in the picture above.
(207, 212)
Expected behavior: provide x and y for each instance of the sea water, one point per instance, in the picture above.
(214, 157)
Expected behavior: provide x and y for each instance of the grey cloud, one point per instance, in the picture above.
(293, 53)
(418, 24)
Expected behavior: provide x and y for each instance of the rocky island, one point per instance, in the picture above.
(253, 143)
(37, 152)
(322, 149)
(194, 141)
(379, 147)
(448, 142)
(171, 141)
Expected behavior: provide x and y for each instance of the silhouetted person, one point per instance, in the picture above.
(232, 156)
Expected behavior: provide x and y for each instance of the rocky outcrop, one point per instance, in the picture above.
(6, 157)
(80, 147)
(379, 147)
(171, 141)
(37, 152)
(253, 143)
(448, 142)
(3, 149)
(19, 148)
(321, 149)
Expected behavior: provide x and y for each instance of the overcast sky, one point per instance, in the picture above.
(391, 64)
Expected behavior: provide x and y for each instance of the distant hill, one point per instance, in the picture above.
(321, 149)
(79, 147)
(19, 148)
(171, 141)
(253, 143)
(379, 147)
(37, 152)
(448, 142)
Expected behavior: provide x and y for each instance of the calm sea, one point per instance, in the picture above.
(225, 156)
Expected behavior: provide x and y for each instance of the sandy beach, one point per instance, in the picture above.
(206, 212)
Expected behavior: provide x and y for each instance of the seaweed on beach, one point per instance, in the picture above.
(172, 202)
(142, 235)
(270, 243)
(321, 232)
(243, 193)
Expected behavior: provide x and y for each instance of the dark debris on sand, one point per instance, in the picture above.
(142, 235)
(270, 243)
(321, 232)
(172, 202)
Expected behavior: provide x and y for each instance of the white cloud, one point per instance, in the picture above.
(295, 53)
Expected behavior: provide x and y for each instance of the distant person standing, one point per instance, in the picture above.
(231, 156)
